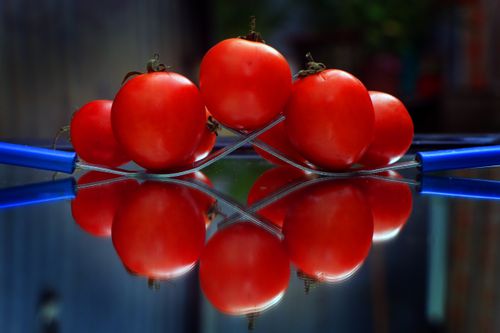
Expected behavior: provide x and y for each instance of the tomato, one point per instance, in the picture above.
(328, 231)
(276, 137)
(243, 269)
(393, 131)
(245, 84)
(160, 232)
(330, 119)
(159, 119)
(270, 182)
(94, 208)
(206, 203)
(92, 136)
(390, 203)
(207, 141)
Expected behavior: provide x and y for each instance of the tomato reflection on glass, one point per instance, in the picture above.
(328, 231)
(206, 203)
(272, 181)
(94, 208)
(244, 270)
(160, 232)
(390, 202)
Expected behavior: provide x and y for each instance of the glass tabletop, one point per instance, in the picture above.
(348, 255)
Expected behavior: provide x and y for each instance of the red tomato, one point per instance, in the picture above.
(271, 182)
(205, 202)
(393, 131)
(276, 137)
(243, 269)
(329, 118)
(94, 208)
(207, 142)
(328, 231)
(390, 203)
(160, 232)
(159, 119)
(245, 84)
(92, 136)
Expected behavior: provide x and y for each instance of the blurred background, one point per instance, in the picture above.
(440, 57)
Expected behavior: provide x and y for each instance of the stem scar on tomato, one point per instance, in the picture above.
(152, 66)
(253, 35)
(312, 67)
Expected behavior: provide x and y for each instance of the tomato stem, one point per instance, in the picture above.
(153, 284)
(64, 129)
(312, 67)
(253, 35)
(251, 320)
(152, 66)
(213, 125)
(309, 281)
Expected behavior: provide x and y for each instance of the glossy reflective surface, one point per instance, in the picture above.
(361, 255)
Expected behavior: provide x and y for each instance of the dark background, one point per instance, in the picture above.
(440, 57)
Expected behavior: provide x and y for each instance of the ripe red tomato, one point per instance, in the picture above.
(328, 231)
(329, 118)
(160, 232)
(243, 269)
(207, 142)
(92, 136)
(94, 208)
(245, 84)
(276, 137)
(159, 119)
(205, 202)
(393, 131)
(271, 182)
(390, 203)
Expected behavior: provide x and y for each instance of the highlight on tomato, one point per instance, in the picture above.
(393, 131)
(159, 118)
(390, 202)
(271, 182)
(329, 117)
(328, 231)
(244, 82)
(277, 138)
(244, 270)
(160, 232)
(92, 136)
(94, 208)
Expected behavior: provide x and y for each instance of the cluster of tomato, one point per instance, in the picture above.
(161, 120)
(158, 231)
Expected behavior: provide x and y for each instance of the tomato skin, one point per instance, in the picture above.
(92, 136)
(330, 119)
(328, 231)
(393, 131)
(204, 201)
(160, 232)
(207, 143)
(94, 208)
(159, 119)
(276, 137)
(243, 269)
(271, 181)
(390, 202)
(244, 84)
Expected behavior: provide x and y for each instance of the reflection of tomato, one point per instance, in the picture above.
(160, 232)
(330, 119)
(243, 269)
(390, 202)
(205, 202)
(328, 231)
(271, 182)
(276, 137)
(94, 208)
(245, 84)
(393, 131)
